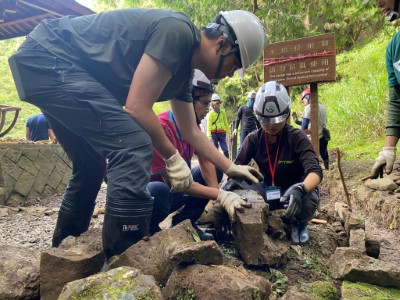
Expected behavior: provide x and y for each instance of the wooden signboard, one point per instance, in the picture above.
(301, 61)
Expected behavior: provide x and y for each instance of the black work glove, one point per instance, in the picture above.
(294, 195)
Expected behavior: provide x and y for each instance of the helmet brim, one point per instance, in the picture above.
(274, 120)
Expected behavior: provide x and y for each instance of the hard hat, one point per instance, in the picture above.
(272, 103)
(245, 30)
(306, 93)
(215, 97)
(252, 95)
(200, 81)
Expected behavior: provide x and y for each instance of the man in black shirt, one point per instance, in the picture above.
(96, 78)
(246, 118)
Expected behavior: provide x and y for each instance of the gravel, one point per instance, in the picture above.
(33, 226)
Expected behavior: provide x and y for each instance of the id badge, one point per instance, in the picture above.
(273, 193)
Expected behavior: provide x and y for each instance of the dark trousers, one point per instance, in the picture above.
(219, 140)
(91, 126)
(243, 134)
(166, 202)
(323, 149)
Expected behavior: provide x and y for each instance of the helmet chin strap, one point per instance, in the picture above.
(395, 13)
(222, 57)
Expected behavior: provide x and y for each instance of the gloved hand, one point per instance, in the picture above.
(244, 172)
(234, 131)
(294, 115)
(295, 195)
(385, 158)
(231, 202)
(178, 172)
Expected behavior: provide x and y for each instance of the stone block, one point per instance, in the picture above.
(10, 168)
(31, 153)
(55, 179)
(357, 239)
(27, 165)
(342, 211)
(253, 244)
(354, 221)
(2, 152)
(9, 184)
(15, 199)
(40, 181)
(44, 164)
(13, 154)
(204, 253)
(25, 183)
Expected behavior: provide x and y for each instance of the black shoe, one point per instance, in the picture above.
(303, 233)
(204, 236)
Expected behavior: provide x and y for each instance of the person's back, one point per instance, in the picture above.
(322, 117)
(37, 128)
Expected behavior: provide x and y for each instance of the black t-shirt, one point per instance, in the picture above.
(296, 157)
(110, 45)
(247, 118)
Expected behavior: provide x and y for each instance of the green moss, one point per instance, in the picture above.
(323, 290)
(189, 294)
(256, 295)
(365, 291)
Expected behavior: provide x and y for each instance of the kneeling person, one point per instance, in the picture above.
(285, 158)
(205, 176)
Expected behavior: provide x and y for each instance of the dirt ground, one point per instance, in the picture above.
(33, 226)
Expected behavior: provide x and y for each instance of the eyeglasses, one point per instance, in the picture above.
(204, 102)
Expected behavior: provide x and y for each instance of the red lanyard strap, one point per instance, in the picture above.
(272, 168)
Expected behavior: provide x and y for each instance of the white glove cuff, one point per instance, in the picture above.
(390, 149)
(173, 159)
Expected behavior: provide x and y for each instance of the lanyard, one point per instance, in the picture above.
(186, 150)
(272, 169)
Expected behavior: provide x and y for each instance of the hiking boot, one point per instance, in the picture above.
(204, 236)
(303, 233)
(295, 233)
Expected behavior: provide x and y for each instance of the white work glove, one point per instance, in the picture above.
(231, 202)
(234, 131)
(385, 158)
(178, 172)
(245, 173)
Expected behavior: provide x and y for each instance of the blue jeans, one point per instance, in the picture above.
(220, 139)
(166, 202)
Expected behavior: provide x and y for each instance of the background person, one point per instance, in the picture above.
(246, 118)
(387, 156)
(140, 56)
(217, 125)
(286, 159)
(38, 129)
(306, 124)
(205, 176)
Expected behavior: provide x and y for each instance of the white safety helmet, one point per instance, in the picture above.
(252, 95)
(200, 81)
(215, 97)
(272, 103)
(250, 34)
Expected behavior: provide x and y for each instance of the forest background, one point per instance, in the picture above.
(356, 102)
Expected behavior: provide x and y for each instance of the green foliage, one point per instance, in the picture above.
(278, 282)
(312, 264)
(323, 290)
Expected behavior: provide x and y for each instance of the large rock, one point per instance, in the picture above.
(19, 273)
(76, 258)
(381, 184)
(353, 291)
(255, 246)
(215, 282)
(119, 283)
(318, 290)
(153, 256)
(350, 264)
(204, 253)
(357, 239)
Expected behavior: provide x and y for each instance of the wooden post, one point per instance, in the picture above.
(314, 117)
(233, 142)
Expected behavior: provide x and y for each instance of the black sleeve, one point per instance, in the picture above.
(239, 117)
(248, 149)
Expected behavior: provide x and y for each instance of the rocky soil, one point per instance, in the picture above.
(33, 226)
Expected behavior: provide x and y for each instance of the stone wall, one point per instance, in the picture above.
(32, 171)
